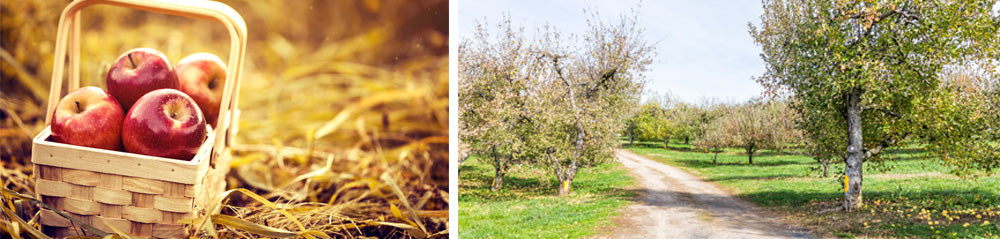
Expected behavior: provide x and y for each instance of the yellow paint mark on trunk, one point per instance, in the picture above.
(846, 183)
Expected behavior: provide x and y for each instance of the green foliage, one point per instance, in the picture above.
(867, 76)
(655, 119)
(651, 123)
(526, 205)
(893, 52)
(693, 119)
(962, 124)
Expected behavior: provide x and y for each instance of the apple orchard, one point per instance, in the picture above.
(540, 101)
(845, 81)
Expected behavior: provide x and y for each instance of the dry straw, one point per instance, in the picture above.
(333, 116)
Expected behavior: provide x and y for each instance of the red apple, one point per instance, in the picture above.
(202, 76)
(88, 117)
(164, 123)
(138, 72)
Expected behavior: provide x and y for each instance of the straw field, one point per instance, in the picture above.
(343, 111)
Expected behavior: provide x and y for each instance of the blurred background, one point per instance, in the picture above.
(345, 91)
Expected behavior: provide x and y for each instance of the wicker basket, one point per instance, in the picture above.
(118, 191)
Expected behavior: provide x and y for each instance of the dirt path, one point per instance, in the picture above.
(675, 204)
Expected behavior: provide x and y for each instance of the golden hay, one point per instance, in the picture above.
(343, 124)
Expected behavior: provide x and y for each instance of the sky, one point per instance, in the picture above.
(703, 47)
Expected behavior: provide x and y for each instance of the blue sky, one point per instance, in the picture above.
(703, 47)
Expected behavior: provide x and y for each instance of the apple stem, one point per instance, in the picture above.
(131, 61)
(78, 109)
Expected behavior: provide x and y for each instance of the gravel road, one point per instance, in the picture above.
(675, 204)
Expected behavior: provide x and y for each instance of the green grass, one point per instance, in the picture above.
(527, 206)
(912, 196)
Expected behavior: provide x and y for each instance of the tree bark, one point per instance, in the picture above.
(497, 180)
(826, 170)
(462, 158)
(499, 170)
(631, 133)
(715, 157)
(750, 149)
(855, 150)
(666, 141)
(565, 178)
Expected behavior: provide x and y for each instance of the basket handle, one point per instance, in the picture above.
(198, 9)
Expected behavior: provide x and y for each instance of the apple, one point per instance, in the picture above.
(88, 117)
(138, 72)
(164, 123)
(203, 77)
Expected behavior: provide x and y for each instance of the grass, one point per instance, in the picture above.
(527, 206)
(912, 196)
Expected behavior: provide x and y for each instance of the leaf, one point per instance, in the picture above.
(19, 224)
(395, 188)
(7, 192)
(118, 232)
(254, 228)
(267, 203)
(397, 213)
(408, 228)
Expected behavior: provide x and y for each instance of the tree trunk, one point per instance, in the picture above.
(497, 180)
(750, 149)
(826, 169)
(855, 150)
(687, 139)
(499, 170)
(461, 159)
(715, 157)
(631, 133)
(666, 140)
(565, 178)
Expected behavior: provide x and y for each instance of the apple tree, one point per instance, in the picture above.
(582, 95)
(690, 119)
(492, 97)
(550, 101)
(714, 134)
(759, 124)
(870, 73)
(653, 121)
(821, 132)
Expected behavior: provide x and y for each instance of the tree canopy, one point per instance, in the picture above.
(868, 75)
(553, 100)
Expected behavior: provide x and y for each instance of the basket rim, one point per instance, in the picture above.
(181, 171)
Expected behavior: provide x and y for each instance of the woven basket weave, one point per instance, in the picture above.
(135, 194)
(123, 192)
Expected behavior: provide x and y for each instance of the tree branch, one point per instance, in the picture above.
(891, 140)
(886, 111)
